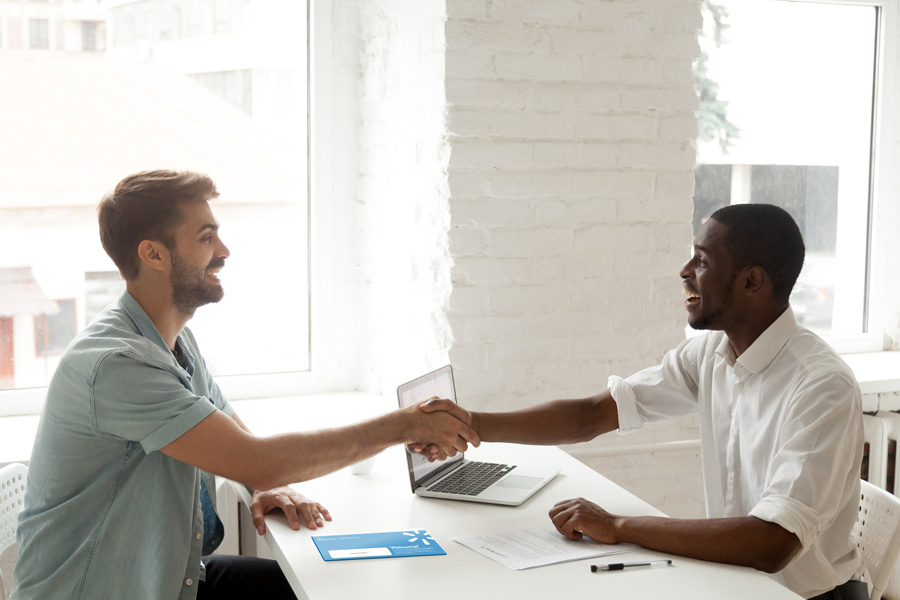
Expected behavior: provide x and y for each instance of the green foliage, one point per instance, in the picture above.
(712, 114)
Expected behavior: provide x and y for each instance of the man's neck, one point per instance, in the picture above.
(157, 303)
(742, 336)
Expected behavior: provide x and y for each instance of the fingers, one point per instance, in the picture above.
(296, 507)
(469, 436)
(439, 434)
(565, 521)
(259, 518)
(452, 408)
(573, 518)
(431, 452)
(435, 404)
(309, 512)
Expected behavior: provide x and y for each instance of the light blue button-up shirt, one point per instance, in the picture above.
(107, 515)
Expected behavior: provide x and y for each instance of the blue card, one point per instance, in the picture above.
(391, 544)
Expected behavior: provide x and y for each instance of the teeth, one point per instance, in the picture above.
(691, 294)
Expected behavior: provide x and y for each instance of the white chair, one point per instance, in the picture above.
(876, 438)
(12, 493)
(876, 534)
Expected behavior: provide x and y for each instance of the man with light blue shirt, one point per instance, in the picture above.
(119, 501)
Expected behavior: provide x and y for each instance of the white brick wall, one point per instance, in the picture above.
(550, 141)
(401, 194)
(570, 126)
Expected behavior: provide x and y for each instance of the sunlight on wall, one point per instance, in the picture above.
(403, 194)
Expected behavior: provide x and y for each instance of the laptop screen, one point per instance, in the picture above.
(437, 383)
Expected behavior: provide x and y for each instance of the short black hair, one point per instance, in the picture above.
(765, 235)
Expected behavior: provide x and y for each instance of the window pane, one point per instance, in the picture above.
(53, 332)
(216, 87)
(786, 119)
(38, 34)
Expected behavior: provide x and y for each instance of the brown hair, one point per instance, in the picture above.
(145, 206)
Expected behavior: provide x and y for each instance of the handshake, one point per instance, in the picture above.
(439, 428)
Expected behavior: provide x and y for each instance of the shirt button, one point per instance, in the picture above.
(199, 535)
(190, 582)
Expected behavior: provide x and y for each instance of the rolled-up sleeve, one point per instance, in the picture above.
(155, 413)
(626, 405)
(796, 517)
(659, 393)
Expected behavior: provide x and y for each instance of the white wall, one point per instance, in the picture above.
(568, 190)
(402, 195)
(571, 127)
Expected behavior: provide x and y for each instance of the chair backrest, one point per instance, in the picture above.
(876, 534)
(12, 493)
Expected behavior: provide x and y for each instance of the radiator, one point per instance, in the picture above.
(880, 467)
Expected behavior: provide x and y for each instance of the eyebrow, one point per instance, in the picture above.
(212, 226)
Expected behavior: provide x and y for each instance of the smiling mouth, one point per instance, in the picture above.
(691, 297)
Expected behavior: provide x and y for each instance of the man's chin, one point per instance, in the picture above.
(699, 324)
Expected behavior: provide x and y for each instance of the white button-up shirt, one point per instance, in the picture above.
(781, 437)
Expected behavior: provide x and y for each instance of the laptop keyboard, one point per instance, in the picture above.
(472, 478)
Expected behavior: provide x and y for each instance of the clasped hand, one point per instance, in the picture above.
(445, 429)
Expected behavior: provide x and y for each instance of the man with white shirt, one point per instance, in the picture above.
(780, 419)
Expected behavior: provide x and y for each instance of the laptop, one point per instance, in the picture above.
(459, 479)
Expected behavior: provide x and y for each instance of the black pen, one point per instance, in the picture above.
(620, 566)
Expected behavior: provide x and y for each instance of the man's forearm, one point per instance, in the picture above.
(222, 445)
(294, 457)
(745, 541)
(557, 422)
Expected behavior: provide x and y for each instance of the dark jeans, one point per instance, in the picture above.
(243, 577)
(852, 590)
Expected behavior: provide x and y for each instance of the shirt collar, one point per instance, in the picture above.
(147, 329)
(765, 348)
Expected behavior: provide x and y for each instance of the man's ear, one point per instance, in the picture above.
(154, 254)
(756, 279)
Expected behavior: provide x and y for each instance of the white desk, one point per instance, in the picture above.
(382, 501)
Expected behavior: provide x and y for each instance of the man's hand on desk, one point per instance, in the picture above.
(445, 429)
(295, 506)
(745, 541)
(579, 517)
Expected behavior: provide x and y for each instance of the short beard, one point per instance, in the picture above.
(713, 321)
(190, 290)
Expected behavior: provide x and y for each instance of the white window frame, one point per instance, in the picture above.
(882, 328)
(329, 256)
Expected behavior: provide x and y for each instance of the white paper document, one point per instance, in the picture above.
(536, 546)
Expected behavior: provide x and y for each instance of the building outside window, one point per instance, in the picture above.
(38, 34)
(53, 332)
(126, 98)
(88, 36)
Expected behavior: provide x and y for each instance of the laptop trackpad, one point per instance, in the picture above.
(519, 482)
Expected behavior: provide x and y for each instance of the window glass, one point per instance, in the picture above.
(217, 87)
(38, 34)
(786, 119)
(54, 331)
